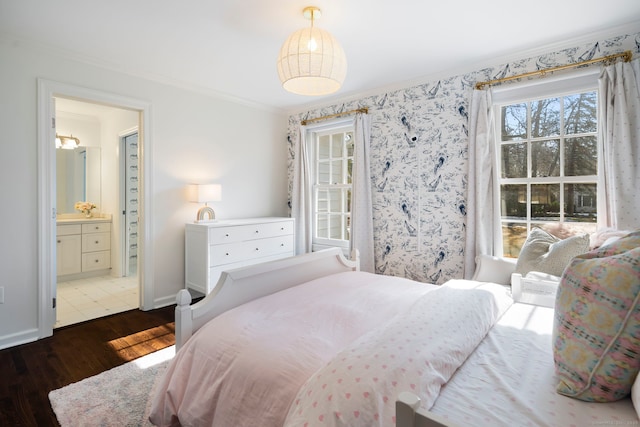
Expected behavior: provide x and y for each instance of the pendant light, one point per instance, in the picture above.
(311, 60)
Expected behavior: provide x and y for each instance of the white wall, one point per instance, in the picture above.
(196, 138)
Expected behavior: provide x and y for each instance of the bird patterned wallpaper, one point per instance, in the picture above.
(419, 156)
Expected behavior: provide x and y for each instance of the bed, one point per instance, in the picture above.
(312, 341)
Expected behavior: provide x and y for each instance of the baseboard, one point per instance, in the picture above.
(23, 337)
(164, 301)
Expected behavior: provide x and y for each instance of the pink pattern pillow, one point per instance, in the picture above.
(597, 322)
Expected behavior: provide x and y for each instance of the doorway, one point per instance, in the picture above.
(96, 289)
(48, 91)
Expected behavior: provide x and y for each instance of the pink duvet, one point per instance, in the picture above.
(245, 367)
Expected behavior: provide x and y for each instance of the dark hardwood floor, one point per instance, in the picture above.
(29, 372)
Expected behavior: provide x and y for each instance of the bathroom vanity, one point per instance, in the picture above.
(83, 247)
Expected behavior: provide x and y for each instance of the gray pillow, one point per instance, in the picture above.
(546, 253)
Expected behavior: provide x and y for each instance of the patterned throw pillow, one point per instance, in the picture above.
(596, 333)
(546, 253)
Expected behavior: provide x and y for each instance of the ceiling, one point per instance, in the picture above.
(229, 47)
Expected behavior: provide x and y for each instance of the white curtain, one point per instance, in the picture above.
(483, 232)
(619, 170)
(361, 198)
(301, 193)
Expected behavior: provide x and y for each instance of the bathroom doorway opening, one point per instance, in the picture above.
(111, 134)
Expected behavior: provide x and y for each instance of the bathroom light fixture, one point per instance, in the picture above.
(67, 142)
(311, 61)
(204, 193)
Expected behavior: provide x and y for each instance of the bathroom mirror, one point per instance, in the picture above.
(77, 178)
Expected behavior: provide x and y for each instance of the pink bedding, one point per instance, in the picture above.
(273, 345)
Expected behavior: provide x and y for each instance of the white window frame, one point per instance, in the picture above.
(573, 83)
(313, 133)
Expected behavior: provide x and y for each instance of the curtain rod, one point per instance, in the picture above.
(364, 110)
(626, 55)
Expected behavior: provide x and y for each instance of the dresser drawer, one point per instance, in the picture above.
(96, 260)
(96, 242)
(266, 247)
(97, 227)
(273, 229)
(226, 254)
(223, 235)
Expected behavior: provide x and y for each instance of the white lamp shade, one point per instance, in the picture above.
(203, 193)
(312, 62)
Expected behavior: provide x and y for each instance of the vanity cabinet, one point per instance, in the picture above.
(82, 247)
(214, 247)
(69, 249)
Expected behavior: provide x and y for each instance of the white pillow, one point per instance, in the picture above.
(548, 254)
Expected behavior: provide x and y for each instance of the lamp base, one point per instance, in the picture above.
(205, 210)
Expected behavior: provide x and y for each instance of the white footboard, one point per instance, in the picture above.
(242, 285)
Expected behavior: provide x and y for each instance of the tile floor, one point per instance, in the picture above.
(86, 299)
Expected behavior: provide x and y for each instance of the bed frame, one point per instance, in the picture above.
(241, 285)
(409, 414)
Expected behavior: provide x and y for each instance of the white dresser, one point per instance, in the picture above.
(83, 246)
(213, 247)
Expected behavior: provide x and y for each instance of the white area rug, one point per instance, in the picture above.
(117, 397)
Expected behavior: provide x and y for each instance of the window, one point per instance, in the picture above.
(332, 163)
(548, 166)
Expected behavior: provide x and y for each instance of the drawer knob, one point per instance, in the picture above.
(227, 254)
(257, 249)
(97, 261)
(59, 241)
(257, 231)
(226, 235)
(97, 241)
(281, 244)
(97, 228)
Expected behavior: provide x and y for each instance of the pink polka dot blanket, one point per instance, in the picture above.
(418, 351)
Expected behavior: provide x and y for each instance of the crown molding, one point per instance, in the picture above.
(55, 51)
(599, 35)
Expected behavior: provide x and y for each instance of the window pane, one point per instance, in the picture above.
(545, 117)
(514, 122)
(348, 139)
(336, 172)
(513, 201)
(323, 147)
(335, 229)
(580, 113)
(337, 144)
(545, 202)
(513, 237)
(323, 173)
(545, 158)
(580, 202)
(349, 171)
(514, 160)
(581, 156)
(322, 228)
(335, 196)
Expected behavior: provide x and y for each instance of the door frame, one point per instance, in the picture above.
(47, 91)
